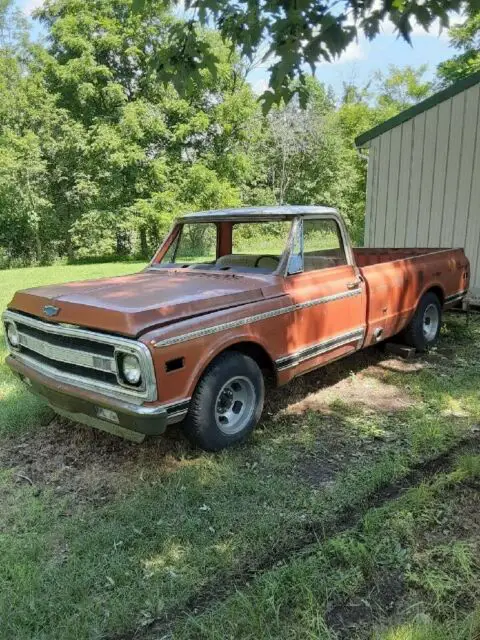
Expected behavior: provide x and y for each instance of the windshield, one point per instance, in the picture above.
(229, 246)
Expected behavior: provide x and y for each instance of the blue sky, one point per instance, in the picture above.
(362, 58)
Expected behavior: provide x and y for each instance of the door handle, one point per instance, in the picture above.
(353, 285)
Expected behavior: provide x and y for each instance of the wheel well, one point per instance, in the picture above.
(256, 352)
(438, 291)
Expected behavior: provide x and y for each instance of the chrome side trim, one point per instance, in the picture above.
(456, 296)
(200, 333)
(312, 351)
(147, 394)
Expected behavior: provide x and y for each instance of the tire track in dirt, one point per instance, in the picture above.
(313, 534)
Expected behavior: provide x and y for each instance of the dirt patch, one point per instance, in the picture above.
(355, 617)
(402, 366)
(336, 447)
(73, 459)
(365, 389)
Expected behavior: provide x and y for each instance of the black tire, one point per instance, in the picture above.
(414, 334)
(203, 425)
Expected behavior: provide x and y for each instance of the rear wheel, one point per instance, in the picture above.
(227, 402)
(424, 328)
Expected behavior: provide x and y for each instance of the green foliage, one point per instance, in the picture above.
(299, 33)
(466, 39)
(402, 87)
(98, 154)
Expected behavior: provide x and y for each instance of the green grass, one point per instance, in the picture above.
(352, 581)
(286, 536)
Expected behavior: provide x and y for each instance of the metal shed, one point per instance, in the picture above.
(423, 180)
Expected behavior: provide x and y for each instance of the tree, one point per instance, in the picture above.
(136, 135)
(300, 33)
(98, 154)
(401, 87)
(13, 27)
(361, 109)
(23, 172)
(466, 39)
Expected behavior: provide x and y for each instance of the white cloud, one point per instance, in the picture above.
(30, 5)
(259, 86)
(355, 51)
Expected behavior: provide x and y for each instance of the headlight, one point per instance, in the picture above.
(12, 335)
(131, 370)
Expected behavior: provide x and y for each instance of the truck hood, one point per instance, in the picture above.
(129, 305)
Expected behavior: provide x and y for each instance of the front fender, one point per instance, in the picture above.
(220, 345)
(196, 354)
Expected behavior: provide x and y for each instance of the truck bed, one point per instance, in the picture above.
(395, 279)
(365, 256)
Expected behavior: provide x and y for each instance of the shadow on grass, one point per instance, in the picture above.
(96, 465)
(337, 407)
(119, 535)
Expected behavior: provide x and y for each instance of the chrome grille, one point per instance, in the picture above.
(65, 354)
(84, 358)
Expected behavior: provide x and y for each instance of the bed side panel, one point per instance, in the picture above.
(395, 288)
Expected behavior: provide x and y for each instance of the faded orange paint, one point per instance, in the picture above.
(173, 311)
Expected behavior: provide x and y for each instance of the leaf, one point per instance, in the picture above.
(267, 100)
(138, 5)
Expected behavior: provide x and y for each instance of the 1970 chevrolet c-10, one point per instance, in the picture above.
(229, 296)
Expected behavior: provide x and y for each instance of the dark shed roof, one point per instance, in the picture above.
(432, 101)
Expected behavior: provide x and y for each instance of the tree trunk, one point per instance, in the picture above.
(143, 242)
(123, 243)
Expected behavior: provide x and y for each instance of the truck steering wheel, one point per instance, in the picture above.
(268, 257)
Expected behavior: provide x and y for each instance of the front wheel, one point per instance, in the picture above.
(424, 328)
(227, 403)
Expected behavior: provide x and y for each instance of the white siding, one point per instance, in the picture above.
(404, 181)
(416, 178)
(423, 185)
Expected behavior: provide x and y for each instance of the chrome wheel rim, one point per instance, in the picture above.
(234, 405)
(431, 320)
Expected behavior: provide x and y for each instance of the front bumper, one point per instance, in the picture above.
(129, 421)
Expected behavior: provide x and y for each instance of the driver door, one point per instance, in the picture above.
(328, 295)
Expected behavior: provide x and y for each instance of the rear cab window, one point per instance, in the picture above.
(257, 245)
(323, 246)
(260, 238)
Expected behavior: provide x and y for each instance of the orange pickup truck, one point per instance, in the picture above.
(229, 296)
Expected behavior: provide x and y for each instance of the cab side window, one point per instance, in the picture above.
(322, 245)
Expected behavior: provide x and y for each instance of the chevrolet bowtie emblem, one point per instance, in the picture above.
(50, 311)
